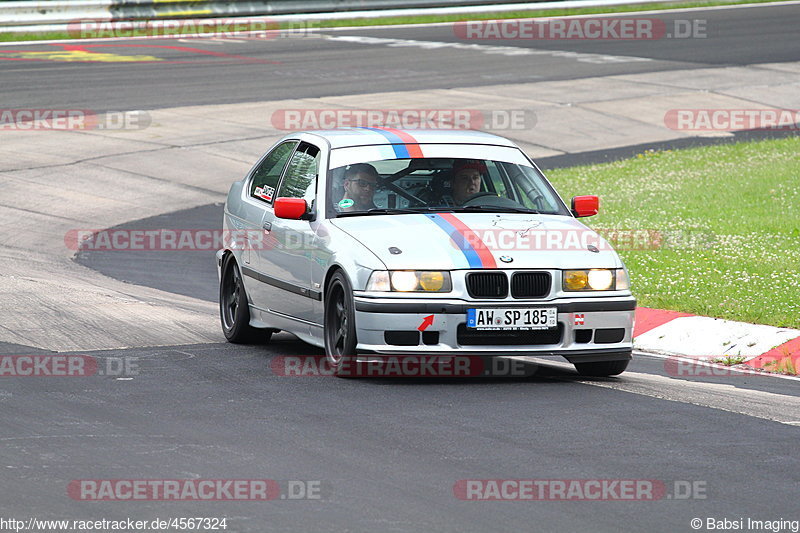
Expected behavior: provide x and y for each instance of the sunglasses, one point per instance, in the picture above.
(364, 184)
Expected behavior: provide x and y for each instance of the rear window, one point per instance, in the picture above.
(268, 172)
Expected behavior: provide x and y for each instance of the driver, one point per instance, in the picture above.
(466, 180)
(360, 181)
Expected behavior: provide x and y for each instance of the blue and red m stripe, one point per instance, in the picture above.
(404, 145)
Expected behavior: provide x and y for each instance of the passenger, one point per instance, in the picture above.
(360, 181)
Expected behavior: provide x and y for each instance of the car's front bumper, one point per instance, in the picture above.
(447, 334)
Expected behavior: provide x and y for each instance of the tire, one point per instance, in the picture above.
(234, 312)
(602, 368)
(340, 325)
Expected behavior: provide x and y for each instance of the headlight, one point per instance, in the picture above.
(404, 281)
(623, 282)
(575, 280)
(410, 281)
(432, 281)
(379, 281)
(596, 279)
(601, 280)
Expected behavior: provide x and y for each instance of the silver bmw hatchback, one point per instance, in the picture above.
(372, 242)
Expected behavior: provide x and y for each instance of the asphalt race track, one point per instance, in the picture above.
(389, 451)
(284, 68)
(388, 455)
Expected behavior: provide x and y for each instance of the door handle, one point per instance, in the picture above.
(267, 226)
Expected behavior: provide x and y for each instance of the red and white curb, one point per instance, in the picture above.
(699, 337)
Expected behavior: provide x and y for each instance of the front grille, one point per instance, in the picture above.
(530, 284)
(487, 284)
(471, 337)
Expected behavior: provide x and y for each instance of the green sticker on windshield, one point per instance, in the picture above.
(345, 203)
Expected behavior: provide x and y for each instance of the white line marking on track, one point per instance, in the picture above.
(320, 16)
(775, 407)
(708, 364)
(487, 49)
(589, 15)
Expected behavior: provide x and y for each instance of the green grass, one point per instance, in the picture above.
(535, 13)
(427, 19)
(729, 360)
(786, 365)
(730, 216)
(44, 36)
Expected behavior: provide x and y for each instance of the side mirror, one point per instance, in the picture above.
(291, 208)
(585, 206)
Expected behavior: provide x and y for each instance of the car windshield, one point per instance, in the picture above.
(426, 184)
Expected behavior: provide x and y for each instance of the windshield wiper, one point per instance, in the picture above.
(505, 209)
(385, 211)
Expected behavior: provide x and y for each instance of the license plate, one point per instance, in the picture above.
(503, 318)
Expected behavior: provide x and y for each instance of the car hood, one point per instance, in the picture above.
(449, 241)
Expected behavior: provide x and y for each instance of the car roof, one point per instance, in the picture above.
(347, 137)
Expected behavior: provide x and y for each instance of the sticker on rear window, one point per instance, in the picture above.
(264, 192)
